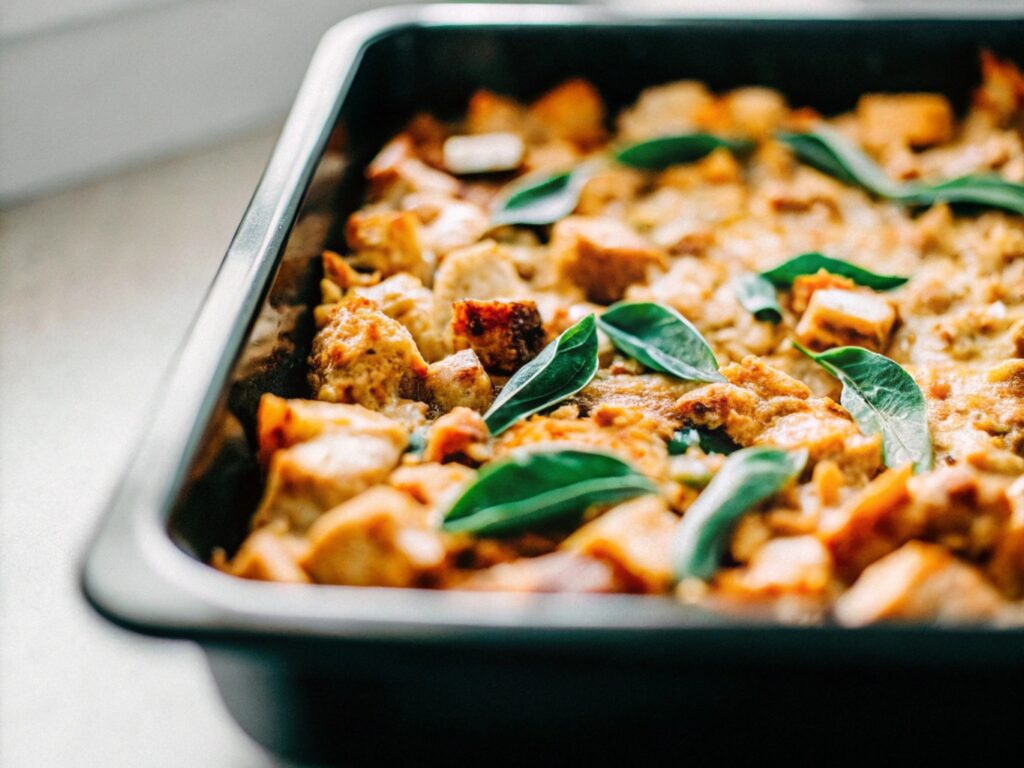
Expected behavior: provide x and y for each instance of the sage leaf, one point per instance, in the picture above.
(709, 441)
(538, 200)
(783, 275)
(990, 191)
(757, 295)
(527, 490)
(747, 478)
(663, 151)
(563, 368)
(883, 399)
(661, 339)
(832, 153)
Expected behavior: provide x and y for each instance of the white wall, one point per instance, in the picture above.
(88, 86)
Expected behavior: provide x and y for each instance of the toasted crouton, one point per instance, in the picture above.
(404, 298)
(911, 119)
(918, 582)
(268, 554)
(481, 271)
(556, 572)
(461, 434)
(603, 256)
(635, 538)
(460, 380)
(319, 454)
(836, 317)
(504, 334)
(388, 242)
(363, 356)
(381, 537)
(572, 111)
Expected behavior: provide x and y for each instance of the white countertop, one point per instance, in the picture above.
(97, 287)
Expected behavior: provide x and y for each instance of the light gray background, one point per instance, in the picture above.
(97, 286)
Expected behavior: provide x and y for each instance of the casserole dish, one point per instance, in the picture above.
(367, 674)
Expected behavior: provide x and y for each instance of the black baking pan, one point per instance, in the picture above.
(360, 675)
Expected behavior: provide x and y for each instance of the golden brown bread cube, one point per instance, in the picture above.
(388, 242)
(791, 565)
(918, 582)
(635, 538)
(382, 537)
(363, 356)
(459, 435)
(482, 271)
(504, 334)
(912, 119)
(572, 111)
(268, 554)
(404, 298)
(837, 317)
(556, 572)
(603, 256)
(460, 380)
(319, 454)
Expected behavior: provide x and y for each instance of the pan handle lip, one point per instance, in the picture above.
(133, 574)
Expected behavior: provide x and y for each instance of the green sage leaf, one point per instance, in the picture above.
(832, 153)
(883, 399)
(563, 368)
(747, 478)
(783, 275)
(757, 295)
(544, 199)
(709, 441)
(989, 191)
(527, 490)
(661, 339)
(663, 151)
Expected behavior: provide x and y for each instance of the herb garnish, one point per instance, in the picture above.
(833, 154)
(883, 399)
(542, 199)
(810, 263)
(757, 295)
(563, 368)
(747, 478)
(663, 151)
(661, 339)
(709, 440)
(532, 489)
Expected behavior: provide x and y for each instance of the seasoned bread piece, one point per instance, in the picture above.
(918, 582)
(603, 256)
(268, 554)
(572, 111)
(319, 454)
(460, 380)
(481, 271)
(404, 298)
(614, 429)
(388, 242)
(459, 435)
(556, 572)
(363, 356)
(911, 119)
(792, 565)
(504, 334)
(837, 317)
(382, 537)
(665, 110)
(761, 405)
(635, 538)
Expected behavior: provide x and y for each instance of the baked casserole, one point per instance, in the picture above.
(731, 351)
